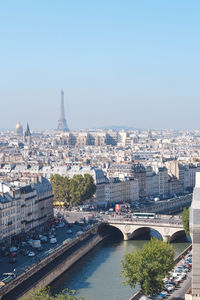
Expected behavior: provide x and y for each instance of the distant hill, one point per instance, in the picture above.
(118, 128)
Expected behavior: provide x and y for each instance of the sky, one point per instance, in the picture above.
(120, 62)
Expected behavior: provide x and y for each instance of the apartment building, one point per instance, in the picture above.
(10, 211)
(24, 206)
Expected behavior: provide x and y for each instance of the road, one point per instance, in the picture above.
(24, 261)
(14, 294)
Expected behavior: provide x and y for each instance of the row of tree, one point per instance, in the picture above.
(73, 191)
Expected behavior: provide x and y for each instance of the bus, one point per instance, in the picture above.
(144, 215)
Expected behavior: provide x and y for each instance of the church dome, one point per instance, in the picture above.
(19, 129)
(18, 125)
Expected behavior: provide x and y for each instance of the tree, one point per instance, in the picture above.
(148, 266)
(44, 294)
(82, 188)
(185, 221)
(74, 191)
(59, 187)
(90, 187)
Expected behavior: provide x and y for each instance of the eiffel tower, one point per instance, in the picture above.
(62, 123)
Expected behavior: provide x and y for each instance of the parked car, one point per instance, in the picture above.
(23, 244)
(24, 252)
(69, 231)
(162, 295)
(169, 287)
(13, 254)
(44, 239)
(51, 236)
(31, 254)
(13, 249)
(4, 253)
(53, 240)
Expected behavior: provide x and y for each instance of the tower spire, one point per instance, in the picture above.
(62, 123)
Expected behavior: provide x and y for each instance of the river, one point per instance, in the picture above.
(97, 275)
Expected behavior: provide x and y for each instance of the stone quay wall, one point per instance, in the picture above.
(11, 286)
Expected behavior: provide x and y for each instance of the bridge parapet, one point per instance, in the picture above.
(175, 220)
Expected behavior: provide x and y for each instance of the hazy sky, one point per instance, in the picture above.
(128, 62)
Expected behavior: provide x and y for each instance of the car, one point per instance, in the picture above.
(31, 254)
(169, 287)
(13, 254)
(44, 239)
(174, 282)
(12, 260)
(22, 244)
(53, 240)
(162, 295)
(69, 231)
(51, 236)
(5, 253)
(24, 252)
(13, 249)
(9, 274)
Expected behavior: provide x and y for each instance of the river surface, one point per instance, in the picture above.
(97, 275)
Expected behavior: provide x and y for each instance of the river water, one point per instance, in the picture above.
(97, 275)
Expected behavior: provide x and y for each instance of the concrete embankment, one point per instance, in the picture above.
(51, 267)
(139, 294)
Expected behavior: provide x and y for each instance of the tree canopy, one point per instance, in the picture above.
(148, 266)
(73, 191)
(44, 294)
(185, 221)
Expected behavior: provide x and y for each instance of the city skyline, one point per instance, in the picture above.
(134, 64)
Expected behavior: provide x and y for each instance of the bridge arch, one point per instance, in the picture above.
(146, 229)
(179, 234)
(106, 229)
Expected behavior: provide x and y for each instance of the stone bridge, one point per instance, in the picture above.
(169, 227)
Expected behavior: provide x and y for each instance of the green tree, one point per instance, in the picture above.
(185, 221)
(44, 294)
(90, 186)
(148, 266)
(60, 186)
(74, 191)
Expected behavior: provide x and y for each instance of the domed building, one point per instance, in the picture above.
(19, 129)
